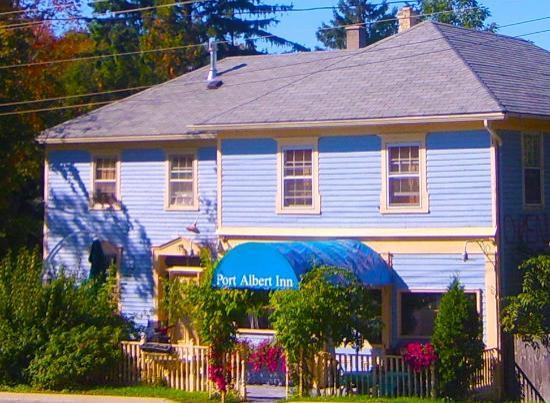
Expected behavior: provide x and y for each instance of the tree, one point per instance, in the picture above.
(330, 308)
(458, 342)
(466, 13)
(528, 313)
(349, 12)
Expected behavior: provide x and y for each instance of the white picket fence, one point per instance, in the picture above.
(185, 369)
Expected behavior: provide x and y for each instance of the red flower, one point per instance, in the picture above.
(420, 356)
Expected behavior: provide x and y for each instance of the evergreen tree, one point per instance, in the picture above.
(458, 342)
(349, 12)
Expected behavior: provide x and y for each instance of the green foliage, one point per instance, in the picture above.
(39, 323)
(349, 12)
(81, 356)
(467, 13)
(331, 307)
(458, 342)
(528, 313)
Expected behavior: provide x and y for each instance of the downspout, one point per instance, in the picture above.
(496, 142)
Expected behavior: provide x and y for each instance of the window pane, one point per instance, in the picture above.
(532, 150)
(533, 189)
(105, 169)
(181, 194)
(181, 167)
(418, 312)
(403, 159)
(298, 192)
(404, 191)
(105, 192)
(376, 298)
(298, 178)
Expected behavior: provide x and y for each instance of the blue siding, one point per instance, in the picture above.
(521, 229)
(141, 223)
(458, 177)
(435, 272)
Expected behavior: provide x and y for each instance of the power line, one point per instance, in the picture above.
(34, 23)
(345, 56)
(55, 108)
(90, 94)
(54, 8)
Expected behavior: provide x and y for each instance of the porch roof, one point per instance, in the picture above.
(280, 265)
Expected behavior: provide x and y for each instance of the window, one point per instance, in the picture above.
(182, 182)
(105, 182)
(298, 178)
(404, 187)
(418, 311)
(376, 298)
(403, 176)
(298, 182)
(532, 170)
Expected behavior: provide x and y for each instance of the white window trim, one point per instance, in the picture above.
(100, 206)
(195, 205)
(404, 140)
(288, 143)
(478, 293)
(527, 206)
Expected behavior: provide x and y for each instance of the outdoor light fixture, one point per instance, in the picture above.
(465, 256)
(193, 227)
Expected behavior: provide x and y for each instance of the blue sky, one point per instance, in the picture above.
(301, 26)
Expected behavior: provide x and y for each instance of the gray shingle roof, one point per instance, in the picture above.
(432, 69)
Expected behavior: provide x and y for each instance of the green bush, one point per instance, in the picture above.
(331, 308)
(35, 318)
(81, 356)
(528, 313)
(458, 342)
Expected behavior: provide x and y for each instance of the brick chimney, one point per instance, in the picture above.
(356, 37)
(408, 18)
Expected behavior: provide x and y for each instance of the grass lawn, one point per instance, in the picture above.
(358, 398)
(130, 391)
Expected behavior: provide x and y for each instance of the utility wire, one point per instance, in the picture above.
(33, 23)
(90, 94)
(486, 43)
(54, 8)
(96, 57)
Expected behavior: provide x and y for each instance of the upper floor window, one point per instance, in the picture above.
(182, 182)
(532, 170)
(298, 182)
(105, 182)
(404, 176)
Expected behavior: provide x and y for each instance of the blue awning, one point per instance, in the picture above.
(280, 265)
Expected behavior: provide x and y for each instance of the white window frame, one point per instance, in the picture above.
(195, 205)
(478, 293)
(528, 206)
(298, 144)
(105, 206)
(412, 139)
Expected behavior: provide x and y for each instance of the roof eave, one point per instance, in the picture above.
(126, 139)
(351, 122)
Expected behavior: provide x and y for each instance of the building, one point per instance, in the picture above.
(428, 146)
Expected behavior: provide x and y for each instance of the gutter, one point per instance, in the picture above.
(352, 122)
(497, 141)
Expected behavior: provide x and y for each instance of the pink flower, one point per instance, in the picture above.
(420, 356)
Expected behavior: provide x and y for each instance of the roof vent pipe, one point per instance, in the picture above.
(213, 49)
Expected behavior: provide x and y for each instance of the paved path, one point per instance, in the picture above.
(60, 398)
(264, 393)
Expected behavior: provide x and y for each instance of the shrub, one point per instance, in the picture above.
(331, 307)
(81, 356)
(457, 339)
(528, 313)
(35, 318)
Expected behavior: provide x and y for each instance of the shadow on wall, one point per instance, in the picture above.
(72, 227)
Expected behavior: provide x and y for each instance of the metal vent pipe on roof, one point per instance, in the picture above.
(213, 49)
